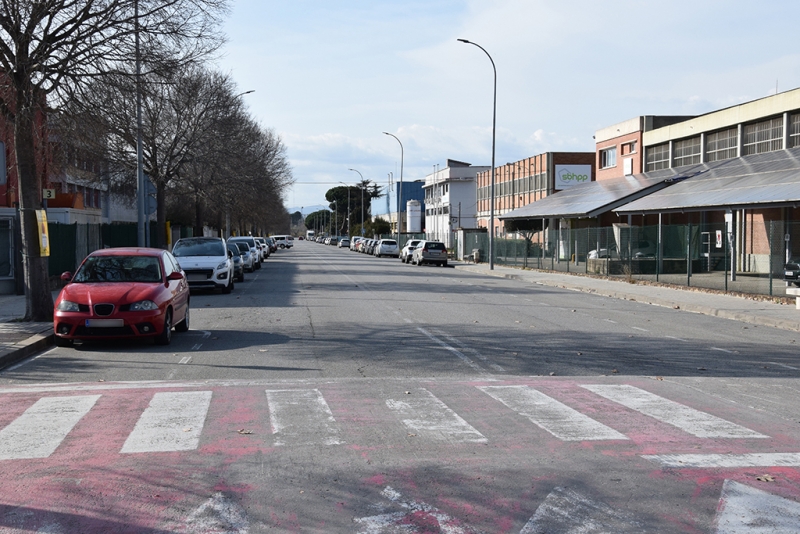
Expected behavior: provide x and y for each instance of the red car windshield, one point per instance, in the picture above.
(119, 269)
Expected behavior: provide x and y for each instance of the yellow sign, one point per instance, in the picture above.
(44, 237)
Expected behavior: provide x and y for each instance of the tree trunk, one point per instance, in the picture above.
(198, 215)
(38, 298)
(161, 215)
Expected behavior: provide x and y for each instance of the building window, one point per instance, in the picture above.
(722, 145)
(764, 136)
(629, 148)
(608, 158)
(794, 130)
(657, 157)
(686, 152)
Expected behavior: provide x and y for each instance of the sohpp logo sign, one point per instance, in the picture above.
(569, 175)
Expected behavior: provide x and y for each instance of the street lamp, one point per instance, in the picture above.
(348, 207)
(362, 200)
(336, 217)
(400, 190)
(494, 126)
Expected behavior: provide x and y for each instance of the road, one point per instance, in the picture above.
(335, 392)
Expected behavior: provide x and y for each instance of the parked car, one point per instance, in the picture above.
(405, 252)
(430, 252)
(251, 242)
(344, 242)
(791, 272)
(273, 246)
(246, 255)
(238, 261)
(386, 247)
(283, 241)
(639, 249)
(206, 261)
(368, 247)
(265, 250)
(123, 292)
(332, 240)
(354, 242)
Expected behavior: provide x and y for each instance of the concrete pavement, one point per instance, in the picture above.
(758, 311)
(18, 339)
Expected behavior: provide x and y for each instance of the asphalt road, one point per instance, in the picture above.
(336, 392)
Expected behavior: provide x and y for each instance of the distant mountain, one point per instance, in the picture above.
(307, 209)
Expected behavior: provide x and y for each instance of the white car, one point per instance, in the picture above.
(283, 241)
(206, 261)
(386, 247)
(408, 250)
(639, 249)
(354, 242)
(344, 243)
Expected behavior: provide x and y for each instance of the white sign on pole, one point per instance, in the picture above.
(570, 175)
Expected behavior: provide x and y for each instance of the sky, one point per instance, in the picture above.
(329, 76)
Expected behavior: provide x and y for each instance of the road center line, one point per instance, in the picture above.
(784, 365)
(455, 351)
(185, 359)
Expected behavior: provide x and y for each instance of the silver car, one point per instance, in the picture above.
(430, 252)
(386, 247)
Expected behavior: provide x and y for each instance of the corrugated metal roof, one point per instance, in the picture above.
(592, 198)
(760, 180)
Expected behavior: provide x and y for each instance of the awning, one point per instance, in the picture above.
(594, 198)
(764, 180)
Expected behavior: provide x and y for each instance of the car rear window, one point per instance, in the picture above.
(119, 269)
(198, 248)
(389, 242)
(434, 246)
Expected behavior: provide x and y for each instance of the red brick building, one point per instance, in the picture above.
(529, 180)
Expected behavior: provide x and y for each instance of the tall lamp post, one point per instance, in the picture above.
(362, 200)
(494, 125)
(348, 207)
(400, 189)
(336, 217)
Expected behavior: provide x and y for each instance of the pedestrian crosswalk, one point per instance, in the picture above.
(300, 416)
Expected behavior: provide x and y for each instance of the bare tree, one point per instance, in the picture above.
(50, 49)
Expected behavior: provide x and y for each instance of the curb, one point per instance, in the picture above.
(25, 348)
(782, 324)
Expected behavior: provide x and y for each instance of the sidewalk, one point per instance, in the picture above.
(757, 312)
(18, 340)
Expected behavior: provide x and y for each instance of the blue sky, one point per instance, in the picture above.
(330, 76)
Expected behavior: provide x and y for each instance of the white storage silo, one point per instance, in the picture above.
(414, 217)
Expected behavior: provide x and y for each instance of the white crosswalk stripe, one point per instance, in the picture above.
(428, 417)
(695, 422)
(559, 419)
(172, 422)
(301, 417)
(39, 431)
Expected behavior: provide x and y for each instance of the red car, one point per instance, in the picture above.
(123, 292)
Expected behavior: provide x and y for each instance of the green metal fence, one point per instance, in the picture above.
(705, 255)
